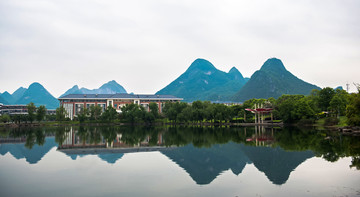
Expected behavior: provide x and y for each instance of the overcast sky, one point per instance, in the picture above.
(146, 44)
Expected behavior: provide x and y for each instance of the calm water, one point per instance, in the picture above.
(137, 161)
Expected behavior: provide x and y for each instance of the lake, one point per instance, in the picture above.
(177, 161)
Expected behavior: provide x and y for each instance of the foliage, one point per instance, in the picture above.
(40, 113)
(83, 115)
(331, 121)
(292, 108)
(109, 114)
(60, 113)
(133, 113)
(154, 110)
(31, 109)
(353, 108)
(95, 112)
(5, 118)
(172, 110)
(325, 96)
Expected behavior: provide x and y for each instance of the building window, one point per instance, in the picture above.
(115, 105)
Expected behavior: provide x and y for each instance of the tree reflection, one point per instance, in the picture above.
(326, 144)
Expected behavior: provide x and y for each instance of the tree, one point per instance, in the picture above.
(5, 118)
(292, 108)
(40, 113)
(222, 112)
(83, 115)
(109, 114)
(185, 115)
(198, 111)
(60, 113)
(353, 108)
(171, 110)
(154, 109)
(149, 117)
(133, 112)
(31, 108)
(95, 112)
(338, 102)
(325, 96)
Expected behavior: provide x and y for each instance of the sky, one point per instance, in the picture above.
(145, 45)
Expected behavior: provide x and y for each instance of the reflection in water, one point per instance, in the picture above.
(203, 152)
(204, 165)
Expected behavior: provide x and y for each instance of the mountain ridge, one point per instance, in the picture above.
(37, 94)
(203, 81)
(110, 87)
(272, 80)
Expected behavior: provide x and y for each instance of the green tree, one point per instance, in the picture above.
(133, 112)
(338, 102)
(149, 117)
(40, 113)
(95, 112)
(185, 115)
(83, 115)
(31, 109)
(154, 109)
(5, 118)
(198, 111)
(325, 96)
(292, 108)
(171, 110)
(353, 108)
(222, 112)
(109, 114)
(60, 113)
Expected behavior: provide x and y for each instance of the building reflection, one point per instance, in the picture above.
(82, 138)
(263, 136)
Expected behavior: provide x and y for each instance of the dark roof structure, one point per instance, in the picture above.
(119, 96)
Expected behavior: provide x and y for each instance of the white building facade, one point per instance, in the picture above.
(75, 103)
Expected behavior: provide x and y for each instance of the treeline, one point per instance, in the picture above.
(131, 113)
(33, 114)
(325, 103)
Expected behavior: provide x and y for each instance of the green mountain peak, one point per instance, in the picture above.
(273, 64)
(273, 80)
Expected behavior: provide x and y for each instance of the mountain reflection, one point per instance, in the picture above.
(203, 152)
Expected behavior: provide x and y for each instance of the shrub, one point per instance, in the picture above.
(331, 121)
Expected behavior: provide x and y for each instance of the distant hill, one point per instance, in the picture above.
(272, 80)
(37, 94)
(202, 81)
(7, 97)
(3, 101)
(18, 93)
(110, 87)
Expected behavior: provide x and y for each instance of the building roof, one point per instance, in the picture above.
(119, 96)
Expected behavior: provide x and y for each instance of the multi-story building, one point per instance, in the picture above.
(13, 109)
(75, 103)
(19, 110)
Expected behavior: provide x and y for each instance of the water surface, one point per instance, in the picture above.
(177, 161)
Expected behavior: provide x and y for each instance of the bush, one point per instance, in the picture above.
(5, 118)
(331, 121)
(306, 122)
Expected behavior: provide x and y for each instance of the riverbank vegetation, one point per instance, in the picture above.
(325, 107)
